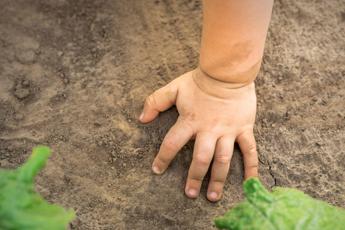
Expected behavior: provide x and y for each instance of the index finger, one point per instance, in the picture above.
(178, 135)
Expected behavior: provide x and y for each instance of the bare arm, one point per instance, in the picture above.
(233, 38)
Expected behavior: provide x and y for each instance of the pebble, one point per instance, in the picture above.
(96, 123)
(25, 83)
(21, 93)
(4, 163)
(18, 117)
(99, 143)
(61, 74)
(26, 56)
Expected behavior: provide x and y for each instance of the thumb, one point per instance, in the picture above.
(161, 100)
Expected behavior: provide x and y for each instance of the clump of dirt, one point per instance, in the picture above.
(74, 75)
(22, 89)
(26, 56)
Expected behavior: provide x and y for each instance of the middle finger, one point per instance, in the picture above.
(204, 147)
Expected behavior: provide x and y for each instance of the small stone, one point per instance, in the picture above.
(4, 163)
(25, 83)
(66, 81)
(60, 53)
(94, 50)
(61, 74)
(18, 117)
(97, 124)
(26, 56)
(99, 143)
(21, 93)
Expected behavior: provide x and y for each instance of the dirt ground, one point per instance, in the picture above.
(74, 74)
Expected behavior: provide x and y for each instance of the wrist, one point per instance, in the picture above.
(218, 88)
(243, 74)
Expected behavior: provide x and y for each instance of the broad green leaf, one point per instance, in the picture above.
(283, 209)
(20, 206)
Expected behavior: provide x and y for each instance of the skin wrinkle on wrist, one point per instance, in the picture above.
(232, 61)
(216, 88)
(222, 89)
(239, 78)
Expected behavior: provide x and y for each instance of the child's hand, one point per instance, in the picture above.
(217, 115)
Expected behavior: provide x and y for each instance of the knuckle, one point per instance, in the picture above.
(253, 166)
(162, 159)
(190, 116)
(201, 160)
(222, 158)
(219, 182)
(193, 179)
(187, 124)
(252, 149)
(150, 100)
(170, 143)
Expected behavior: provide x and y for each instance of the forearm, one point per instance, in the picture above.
(233, 38)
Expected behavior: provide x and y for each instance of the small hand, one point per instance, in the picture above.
(216, 115)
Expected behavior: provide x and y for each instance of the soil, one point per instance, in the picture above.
(74, 75)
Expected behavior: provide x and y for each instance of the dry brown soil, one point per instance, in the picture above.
(74, 74)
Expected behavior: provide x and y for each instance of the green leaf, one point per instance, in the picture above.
(20, 206)
(283, 208)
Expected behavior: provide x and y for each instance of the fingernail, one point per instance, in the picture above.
(141, 116)
(156, 170)
(213, 196)
(192, 192)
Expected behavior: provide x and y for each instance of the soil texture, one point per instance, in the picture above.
(74, 75)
